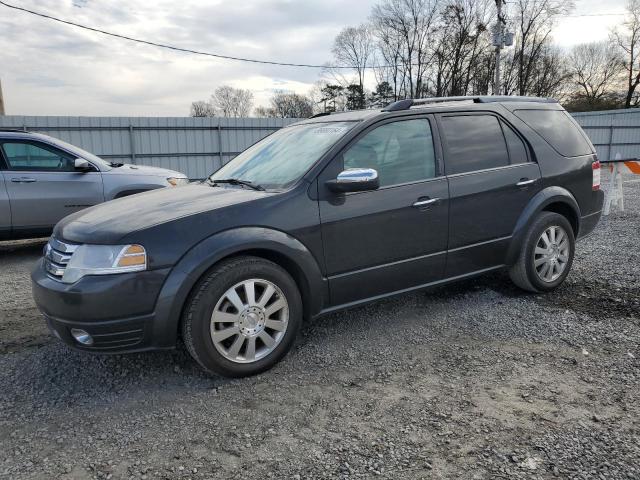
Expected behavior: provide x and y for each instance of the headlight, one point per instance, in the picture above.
(176, 182)
(104, 260)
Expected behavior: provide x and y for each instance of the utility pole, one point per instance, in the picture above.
(498, 39)
(1, 101)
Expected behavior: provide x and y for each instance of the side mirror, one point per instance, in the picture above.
(355, 180)
(82, 165)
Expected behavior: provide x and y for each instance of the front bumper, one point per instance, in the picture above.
(118, 311)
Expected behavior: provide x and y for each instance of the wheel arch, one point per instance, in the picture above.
(291, 267)
(126, 193)
(276, 246)
(129, 190)
(564, 209)
(551, 199)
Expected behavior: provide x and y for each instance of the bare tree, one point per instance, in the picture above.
(232, 102)
(327, 97)
(461, 40)
(353, 47)
(628, 39)
(595, 69)
(533, 22)
(549, 74)
(443, 47)
(409, 25)
(387, 59)
(202, 108)
(287, 105)
(483, 73)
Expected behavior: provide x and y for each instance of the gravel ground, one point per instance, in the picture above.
(474, 381)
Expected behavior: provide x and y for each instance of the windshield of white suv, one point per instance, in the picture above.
(79, 152)
(283, 157)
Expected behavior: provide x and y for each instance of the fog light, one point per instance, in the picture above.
(82, 336)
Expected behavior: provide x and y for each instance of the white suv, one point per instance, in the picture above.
(43, 179)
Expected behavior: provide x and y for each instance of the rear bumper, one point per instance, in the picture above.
(588, 224)
(118, 311)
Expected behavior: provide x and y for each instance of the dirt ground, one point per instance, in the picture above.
(474, 381)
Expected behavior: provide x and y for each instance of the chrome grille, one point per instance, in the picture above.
(56, 257)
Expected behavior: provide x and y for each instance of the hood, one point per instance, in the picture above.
(110, 221)
(143, 170)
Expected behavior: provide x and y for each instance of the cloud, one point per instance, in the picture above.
(56, 69)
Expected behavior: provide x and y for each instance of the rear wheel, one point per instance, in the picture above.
(546, 255)
(243, 317)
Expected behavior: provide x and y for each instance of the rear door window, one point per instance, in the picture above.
(559, 131)
(474, 142)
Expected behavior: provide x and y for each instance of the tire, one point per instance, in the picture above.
(221, 307)
(530, 270)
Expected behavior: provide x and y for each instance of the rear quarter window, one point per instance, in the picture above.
(559, 131)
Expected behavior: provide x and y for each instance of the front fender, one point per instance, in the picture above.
(130, 189)
(253, 240)
(538, 203)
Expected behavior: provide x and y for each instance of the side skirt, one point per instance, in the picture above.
(407, 290)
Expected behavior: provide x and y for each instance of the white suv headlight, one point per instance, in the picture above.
(177, 181)
(104, 260)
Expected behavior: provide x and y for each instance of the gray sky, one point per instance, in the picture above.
(48, 68)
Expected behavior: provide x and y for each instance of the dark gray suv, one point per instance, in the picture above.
(329, 213)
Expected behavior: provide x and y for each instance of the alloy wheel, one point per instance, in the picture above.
(551, 253)
(249, 320)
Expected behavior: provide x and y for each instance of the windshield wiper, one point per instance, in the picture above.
(115, 164)
(237, 181)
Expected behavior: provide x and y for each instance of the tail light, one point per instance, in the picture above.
(595, 167)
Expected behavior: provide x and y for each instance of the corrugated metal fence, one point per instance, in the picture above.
(613, 132)
(195, 146)
(199, 146)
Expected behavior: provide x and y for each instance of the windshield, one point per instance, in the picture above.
(280, 159)
(77, 151)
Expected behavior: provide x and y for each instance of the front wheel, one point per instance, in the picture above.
(546, 254)
(243, 317)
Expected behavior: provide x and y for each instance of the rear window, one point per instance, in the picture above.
(558, 130)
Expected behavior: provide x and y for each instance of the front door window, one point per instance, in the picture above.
(401, 152)
(26, 156)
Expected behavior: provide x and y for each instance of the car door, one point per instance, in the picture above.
(43, 185)
(491, 179)
(5, 208)
(393, 238)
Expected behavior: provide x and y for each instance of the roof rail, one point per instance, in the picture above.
(17, 130)
(411, 102)
(321, 114)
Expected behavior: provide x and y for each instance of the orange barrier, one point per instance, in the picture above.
(633, 166)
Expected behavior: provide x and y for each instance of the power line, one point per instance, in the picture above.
(605, 14)
(598, 15)
(217, 55)
(170, 47)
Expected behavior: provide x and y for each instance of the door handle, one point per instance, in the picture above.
(23, 180)
(425, 203)
(524, 182)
